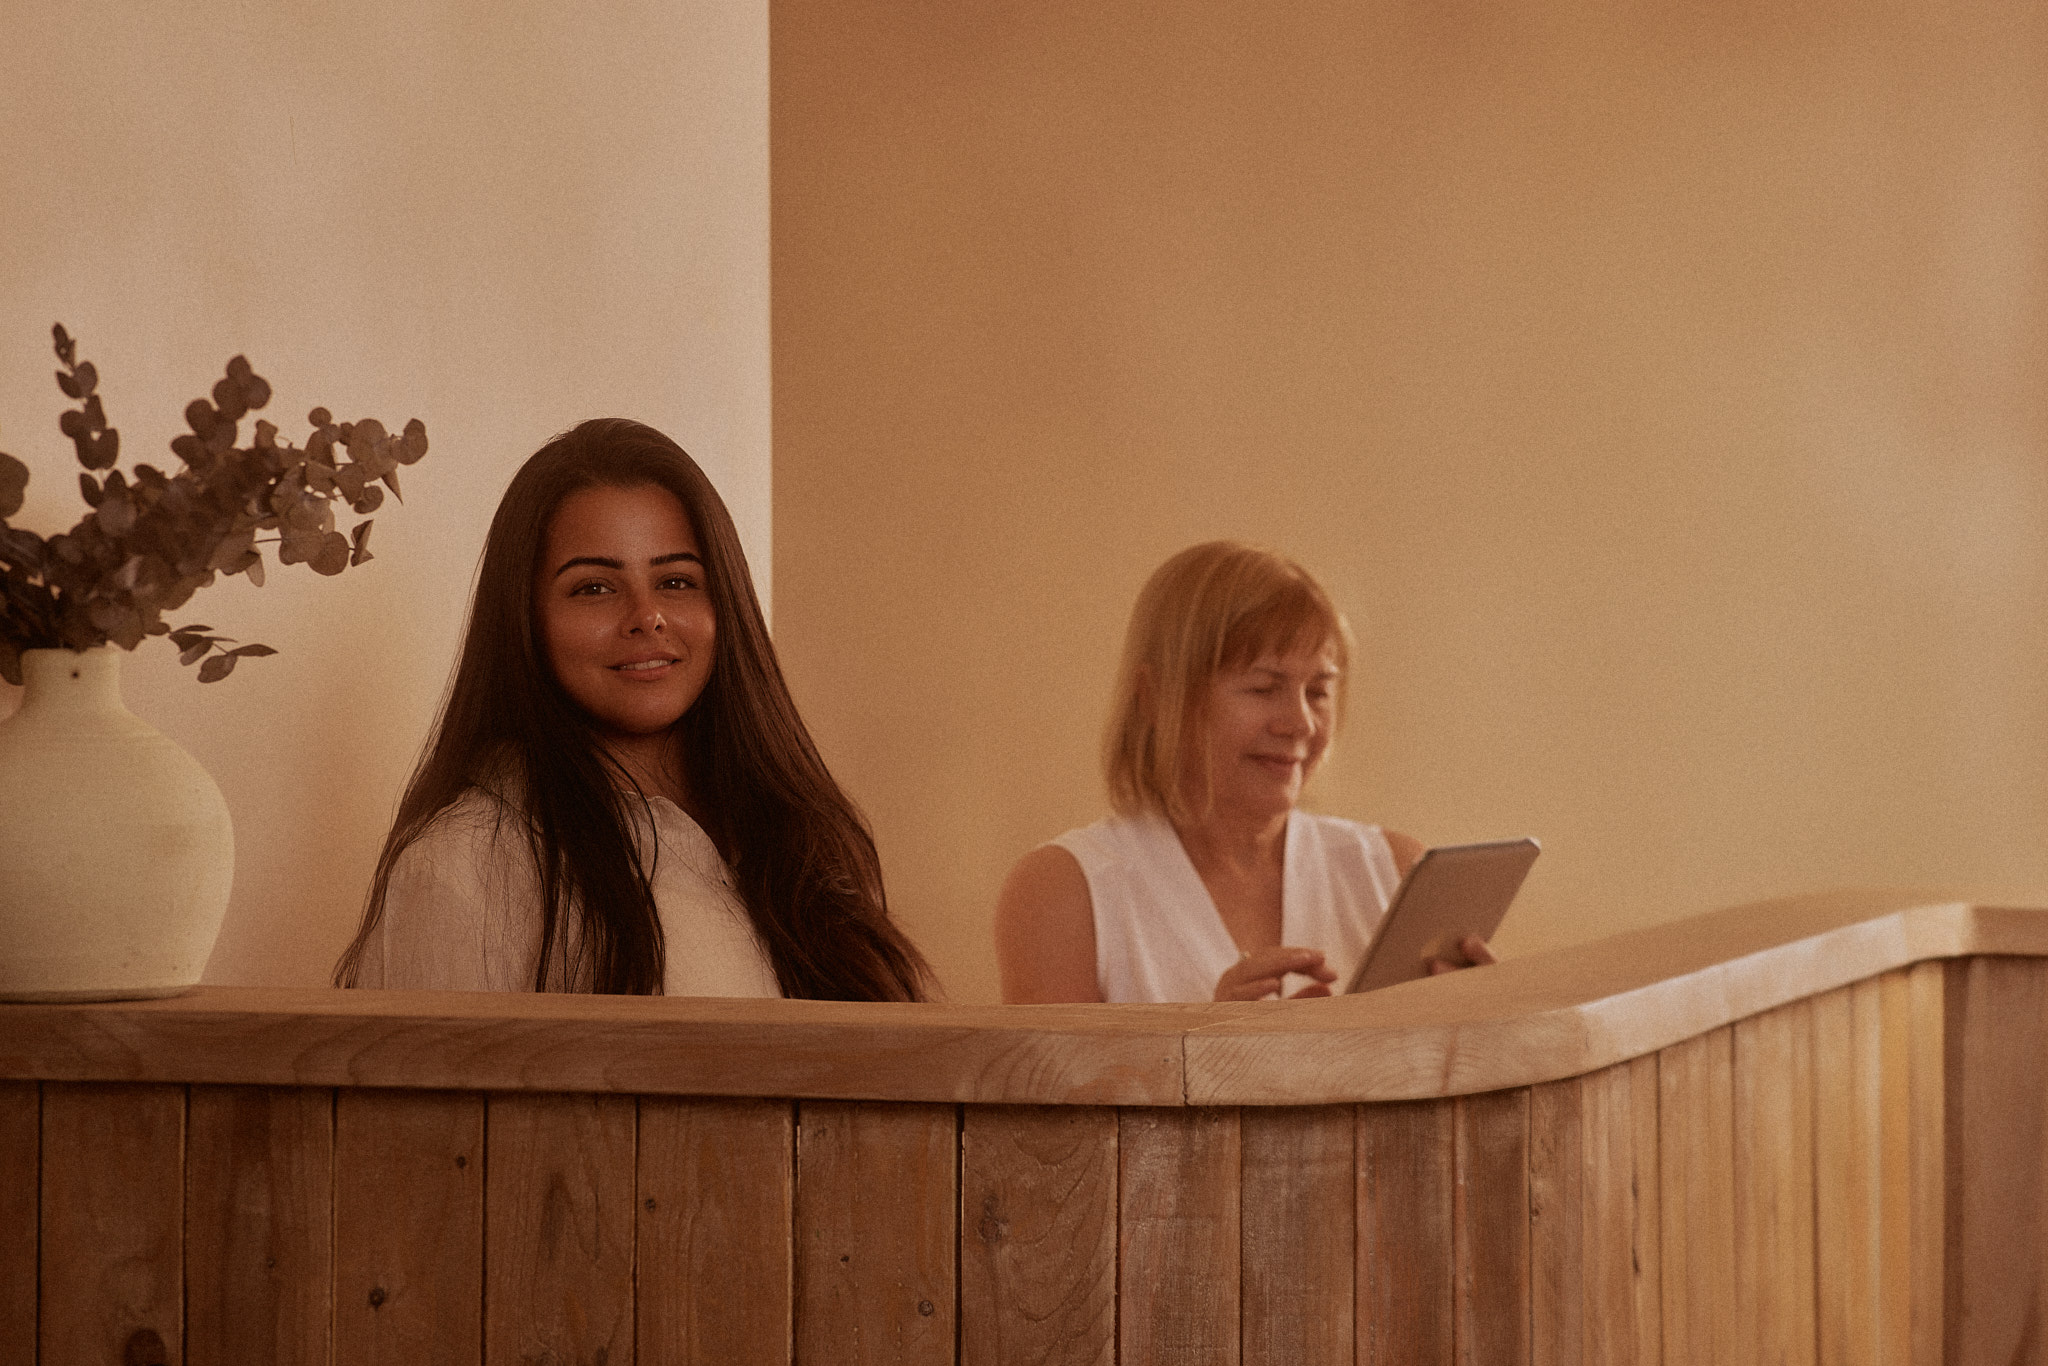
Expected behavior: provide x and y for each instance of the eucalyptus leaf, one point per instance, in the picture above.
(332, 557)
(252, 651)
(216, 668)
(13, 484)
(360, 539)
(117, 515)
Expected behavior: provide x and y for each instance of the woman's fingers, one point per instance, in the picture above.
(1258, 975)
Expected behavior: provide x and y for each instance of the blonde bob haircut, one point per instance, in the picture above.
(1212, 608)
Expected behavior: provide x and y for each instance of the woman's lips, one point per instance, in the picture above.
(644, 667)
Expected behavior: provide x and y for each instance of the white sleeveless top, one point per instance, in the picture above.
(462, 910)
(1158, 936)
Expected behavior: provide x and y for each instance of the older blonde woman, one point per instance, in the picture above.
(1209, 882)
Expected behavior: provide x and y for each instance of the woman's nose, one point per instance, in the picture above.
(643, 617)
(1297, 717)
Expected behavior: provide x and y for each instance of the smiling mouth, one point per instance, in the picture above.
(644, 665)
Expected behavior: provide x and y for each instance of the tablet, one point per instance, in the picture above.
(1452, 891)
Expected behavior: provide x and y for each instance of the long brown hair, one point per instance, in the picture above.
(802, 857)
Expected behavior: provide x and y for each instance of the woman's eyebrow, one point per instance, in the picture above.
(604, 562)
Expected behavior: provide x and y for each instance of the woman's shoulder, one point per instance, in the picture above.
(1374, 840)
(1115, 838)
(457, 904)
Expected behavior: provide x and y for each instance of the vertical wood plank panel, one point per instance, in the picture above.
(1774, 1185)
(1490, 1228)
(259, 1188)
(1038, 1210)
(1995, 1062)
(1697, 1155)
(1895, 1170)
(558, 1229)
(717, 1195)
(876, 1210)
(113, 1223)
(1645, 1098)
(1406, 1301)
(1177, 1249)
(1846, 1132)
(21, 1174)
(408, 1227)
(1557, 1223)
(1608, 1199)
(1928, 1100)
(1299, 1215)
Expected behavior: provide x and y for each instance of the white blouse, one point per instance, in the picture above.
(1158, 936)
(462, 909)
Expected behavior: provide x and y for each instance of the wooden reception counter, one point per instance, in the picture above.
(1804, 1131)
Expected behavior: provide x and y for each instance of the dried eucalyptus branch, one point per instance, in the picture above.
(151, 541)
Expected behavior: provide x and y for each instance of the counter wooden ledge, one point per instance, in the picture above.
(1525, 1022)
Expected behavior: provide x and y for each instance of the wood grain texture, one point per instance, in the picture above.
(1407, 1271)
(1576, 1010)
(1490, 1229)
(1645, 1091)
(1608, 1221)
(1038, 1206)
(259, 1202)
(1893, 1001)
(21, 1137)
(1298, 1211)
(1557, 1223)
(113, 1223)
(1928, 1102)
(408, 1227)
(558, 1230)
(1846, 1134)
(1180, 1235)
(715, 1271)
(876, 1207)
(626, 1045)
(1697, 1159)
(1774, 1281)
(1996, 1056)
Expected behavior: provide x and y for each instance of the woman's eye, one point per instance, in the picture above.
(590, 589)
(679, 583)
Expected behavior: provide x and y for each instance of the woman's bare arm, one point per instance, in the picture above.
(1045, 931)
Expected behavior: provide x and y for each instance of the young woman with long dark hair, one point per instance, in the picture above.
(619, 795)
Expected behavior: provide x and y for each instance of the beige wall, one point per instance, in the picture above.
(1662, 389)
(500, 218)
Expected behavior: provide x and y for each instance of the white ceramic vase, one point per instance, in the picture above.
(116, 852)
